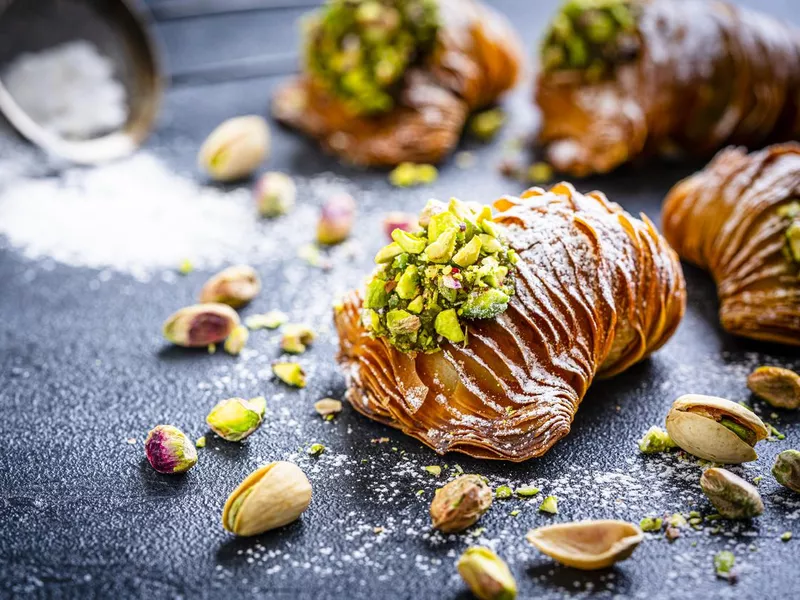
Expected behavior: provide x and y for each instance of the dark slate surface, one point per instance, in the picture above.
(82, 370)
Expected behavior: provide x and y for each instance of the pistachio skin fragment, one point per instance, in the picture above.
(778, 387)
(236, 418)
(275, 194)
(234, 286)
(235, 149)
(200, 325)
(271, 497)
(587, 545)
(732, 496)
(656, 440)
(715, 429)
(786, 469)
(169, 451)
(486, 574)
(460, 503)
(336, 219)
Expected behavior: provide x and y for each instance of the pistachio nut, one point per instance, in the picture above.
(234, 286)
(787, 469)
(275, 194)
(290, 373)
(296, 337)
(169, 451)
(235, 148)
(399, 220)
(779, 387)
(235, 418)
(237, 340)
(460, 503)
(200, 325)
(486, 574)
(656, 440)
(587, 545)
(271, 497)
(336, 219)
(269, 320)
(715, 429)
(732, 496)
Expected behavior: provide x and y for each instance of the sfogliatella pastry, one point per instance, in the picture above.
(482, 333)
(621, 79)
(391, 81)
(739, 218)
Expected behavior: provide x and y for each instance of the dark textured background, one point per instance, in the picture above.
(82, 369)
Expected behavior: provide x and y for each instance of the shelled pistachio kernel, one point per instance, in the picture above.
(269, 320)
(271, 497)
(315, 449)
(485, 125)
(234, 286)
(235, 148)
(723, 564)
(793, 241)
(457, 267)
(290, 373)
(549, 505)
(327, 407)
(656, 440)
(169, 451)
(786, 469)
(275, 194)
(296, 337)
(503, 491)
(200, 325)
(460, 503)
(336, 219)
(235, 418)
(237, 340)
(651, 524)
(778, 387)
(731, 495)
(486, 574)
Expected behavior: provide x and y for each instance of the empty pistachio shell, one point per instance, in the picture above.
(271, 497)
(235, 148)
(486, 574)
(169, 450)
(731, 495)
(199, 325)
(779, 387)
(587, 545)
(460, 503)
(715, 429)
(787, 469)
(234, 286)
(235, 418)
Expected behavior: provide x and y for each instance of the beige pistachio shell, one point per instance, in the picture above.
(694, 424)
(271, 497)
(235, 148)
(234, 286)
(779, 387)
(587, 545)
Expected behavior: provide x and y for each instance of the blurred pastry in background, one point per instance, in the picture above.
(392, 81)
(739, 218)
(622, 79)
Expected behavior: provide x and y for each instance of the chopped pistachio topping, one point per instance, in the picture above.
(434, 470)
(549, 505)
(360, 50)
(656, 440)
(430, 282)
(723, 563)
(592, 36)
(485, 125)
(270, 320)
(290, 373)
(651, 524)
(526, 491)
(503, 491)
(410, 174)
(316, 449)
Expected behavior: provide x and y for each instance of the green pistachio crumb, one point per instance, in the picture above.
(434, 470)
(513, 513)
(200, 442)
(185, 267)
(651, 524)
(503, 491)
(549, 505)
(410, 174)
(723, 563)
(290, 373)
(315, 449)
(757, 480)
(526, 491)
(485, 125)
(269, 320)
(656, 440)
(786, 536)
(420, 492)
(212, 348)
(540, 172)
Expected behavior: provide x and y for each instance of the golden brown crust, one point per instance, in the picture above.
(725, 219)
(477, 58)
(596, 291)
(710, 74)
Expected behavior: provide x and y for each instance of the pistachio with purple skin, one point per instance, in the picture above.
(336, 219)
(399, 220)
(169, 451)
(275, 194)
(234, 286)
(200, 325)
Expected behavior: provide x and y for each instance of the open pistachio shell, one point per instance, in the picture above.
(587, 545)
(271, 497)
(715, 429)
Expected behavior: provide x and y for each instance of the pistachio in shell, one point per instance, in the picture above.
(587, 545)
(460, 503)
(199, 325)
(779, 387)
(715, 429)
(787, 469)
(486, 574)
(270, 497)
(234, 286)
(732, 496)
(169, 451)
(235, 148)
